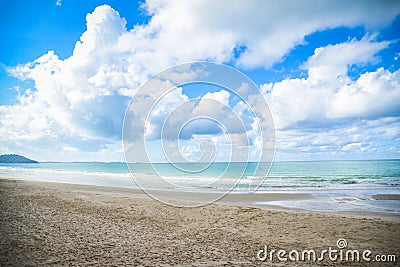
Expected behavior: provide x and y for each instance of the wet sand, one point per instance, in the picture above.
(65, 224)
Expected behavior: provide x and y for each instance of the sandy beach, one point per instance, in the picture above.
(66, 224)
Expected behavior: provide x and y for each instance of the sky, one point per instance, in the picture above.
(329, 71)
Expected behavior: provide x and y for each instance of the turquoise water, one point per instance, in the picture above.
(282, 175)
(343, 185)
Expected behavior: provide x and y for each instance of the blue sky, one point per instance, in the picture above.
(329, 71)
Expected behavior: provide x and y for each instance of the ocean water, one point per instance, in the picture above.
(335, 185)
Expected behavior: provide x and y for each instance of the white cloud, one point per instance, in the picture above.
(331, 63)
(220, 96)
(375, 94)
(329, 94)
(58, 3)
(78, 102)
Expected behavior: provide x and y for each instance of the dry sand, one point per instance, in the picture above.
(63, 224)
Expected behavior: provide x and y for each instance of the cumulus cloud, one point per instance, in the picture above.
(77, 101)
(329, 96)
(331, 63)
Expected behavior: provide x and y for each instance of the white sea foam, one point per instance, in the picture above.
(337, 185)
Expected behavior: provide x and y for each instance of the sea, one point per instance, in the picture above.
(346, 186)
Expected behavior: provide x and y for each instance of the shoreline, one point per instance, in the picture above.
(46, 223)
(263, 200)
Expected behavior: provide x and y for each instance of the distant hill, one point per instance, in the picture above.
(14, 158)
